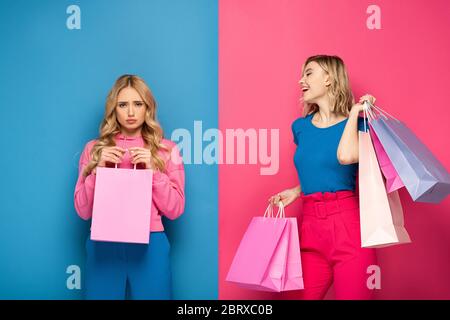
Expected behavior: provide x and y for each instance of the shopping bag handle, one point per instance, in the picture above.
(269, 211)
(134, 166)
(370, 107)
(365, 113)
(370, 114)
(126, 150)
(280, 213)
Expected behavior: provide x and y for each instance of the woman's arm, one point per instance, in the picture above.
(348, 149)
(297, 190)
(84, 189)
(287, 196)
(168, 188)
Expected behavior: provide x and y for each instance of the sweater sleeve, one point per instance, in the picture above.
(84, 189)
(168, 187)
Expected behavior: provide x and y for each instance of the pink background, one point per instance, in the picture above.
(406, 65)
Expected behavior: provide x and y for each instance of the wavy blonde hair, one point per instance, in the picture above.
(339, 90)
(151, 131)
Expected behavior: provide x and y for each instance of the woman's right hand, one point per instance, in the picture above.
(287, 197)
(111, 154)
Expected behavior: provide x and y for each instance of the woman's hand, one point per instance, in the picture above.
(111, 154)
(141, 155)
(287, 196)
(358, 107)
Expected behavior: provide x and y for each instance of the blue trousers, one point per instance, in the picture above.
(124, 270)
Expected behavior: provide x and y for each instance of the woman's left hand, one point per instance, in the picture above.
(358, 107)
(141, 155)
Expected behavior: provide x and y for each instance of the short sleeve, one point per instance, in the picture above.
(294, 128)
(361, 126)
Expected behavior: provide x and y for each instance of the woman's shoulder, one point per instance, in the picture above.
(172, 147)
(86, 154)
(301, 121)
(173, 153)
(89, 145)
(168, 143)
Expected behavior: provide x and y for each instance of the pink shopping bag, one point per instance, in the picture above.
(381, 214)
(122, 205)
(294, 275)
(393, 181)
(268, 257)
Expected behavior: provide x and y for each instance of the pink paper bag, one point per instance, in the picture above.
(122, 205)
(381, 214)
(268, 257)
(393, 181)
(294, 274)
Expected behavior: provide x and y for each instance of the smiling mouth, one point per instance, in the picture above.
(305, 89)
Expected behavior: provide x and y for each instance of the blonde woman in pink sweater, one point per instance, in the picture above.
(129, 135)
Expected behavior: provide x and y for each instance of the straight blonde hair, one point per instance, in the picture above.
(339, 90)
(151, 131)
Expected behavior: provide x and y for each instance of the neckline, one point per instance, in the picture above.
(333, 125)
(124, 137)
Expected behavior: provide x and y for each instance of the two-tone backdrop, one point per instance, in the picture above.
(211, 64)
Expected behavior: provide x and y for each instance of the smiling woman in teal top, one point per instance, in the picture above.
(326, 160)
(316, 161)
(327, 135)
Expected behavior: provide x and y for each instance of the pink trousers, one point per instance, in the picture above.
(330, 244)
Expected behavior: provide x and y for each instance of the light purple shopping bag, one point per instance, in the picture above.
(122, 205)
(425, 178)
(268, 257)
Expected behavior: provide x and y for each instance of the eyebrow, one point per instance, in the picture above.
(133, 101)
(309, 69)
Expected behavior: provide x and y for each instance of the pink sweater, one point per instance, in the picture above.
(168, 188)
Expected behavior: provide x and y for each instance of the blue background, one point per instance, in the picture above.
(54, 83)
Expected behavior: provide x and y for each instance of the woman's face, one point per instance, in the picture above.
(130, 110)
(314, 82)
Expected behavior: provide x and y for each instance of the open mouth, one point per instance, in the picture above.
(305, 89)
